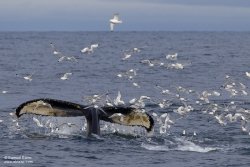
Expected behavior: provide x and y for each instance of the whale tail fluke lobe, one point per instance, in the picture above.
(58, 108)
(121, 115)
(131, 117)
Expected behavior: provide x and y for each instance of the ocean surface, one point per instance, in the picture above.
(214, 61)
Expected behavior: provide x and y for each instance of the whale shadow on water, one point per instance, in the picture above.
(59, 108)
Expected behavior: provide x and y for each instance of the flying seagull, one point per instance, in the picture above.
(54, 49)
(115, 20)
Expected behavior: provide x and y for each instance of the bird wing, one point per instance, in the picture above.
(127, 54)
(53, 47)
(31, 74)
(108, 100)
(143, 47)
(94, 46)
(119, 96)
(168, 56)
(116, 16)
(37, 121)
(73, 58)
(111, 26)
(164, 115)
(67, 74)
(61, 59)
(85, 49)
(145, 61)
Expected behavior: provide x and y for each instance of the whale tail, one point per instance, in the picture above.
(59, 108)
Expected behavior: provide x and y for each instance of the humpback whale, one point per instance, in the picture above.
(59, 108)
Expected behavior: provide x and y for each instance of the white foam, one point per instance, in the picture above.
(182, 145)
(189, 146)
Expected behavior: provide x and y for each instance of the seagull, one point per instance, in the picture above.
(48, 124)
(138, 104)
(69, 124)
(127, 56)
(114, 21)
(163, 128)
(248, 74)
(233, 118)
(181, 66)
(118, 100)
(243, 110)
(147, 61)
(131, 77)
(164, 103)
(171, 66)
(218, 118)
(180, 110)
(136, 85)
(68, 58)
(118, 115)
(28, 78)
(158, 63)
(65, 76)
(145, 97)
(108, 100)
(55, 50)
(37, 122)
(163, 91)
(243, 126)
(91, 50)
(184, 132)
(172, 57)
(133, 100)
(158, 119)
(167, 119)
(5, 91)
(132, 70)
(136, 50)
(95, 98)
(120, 75)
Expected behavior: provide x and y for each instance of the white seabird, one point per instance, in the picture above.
(37, 122)
(55, 50)
(68, 58)
(27, 77)
(65, 76)
(118, 100)
(5, 91)
(91, 49)
(114, 21)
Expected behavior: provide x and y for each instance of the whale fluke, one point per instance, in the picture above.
(59, 108)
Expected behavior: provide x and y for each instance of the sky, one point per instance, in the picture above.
(136, 15)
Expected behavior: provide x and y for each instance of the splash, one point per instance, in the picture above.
(180, 145)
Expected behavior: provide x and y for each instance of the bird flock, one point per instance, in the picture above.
(176, 101)
(222, 113)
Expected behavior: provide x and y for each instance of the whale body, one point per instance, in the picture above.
(59, 108)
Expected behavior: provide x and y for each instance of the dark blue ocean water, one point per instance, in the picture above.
(212, 56)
